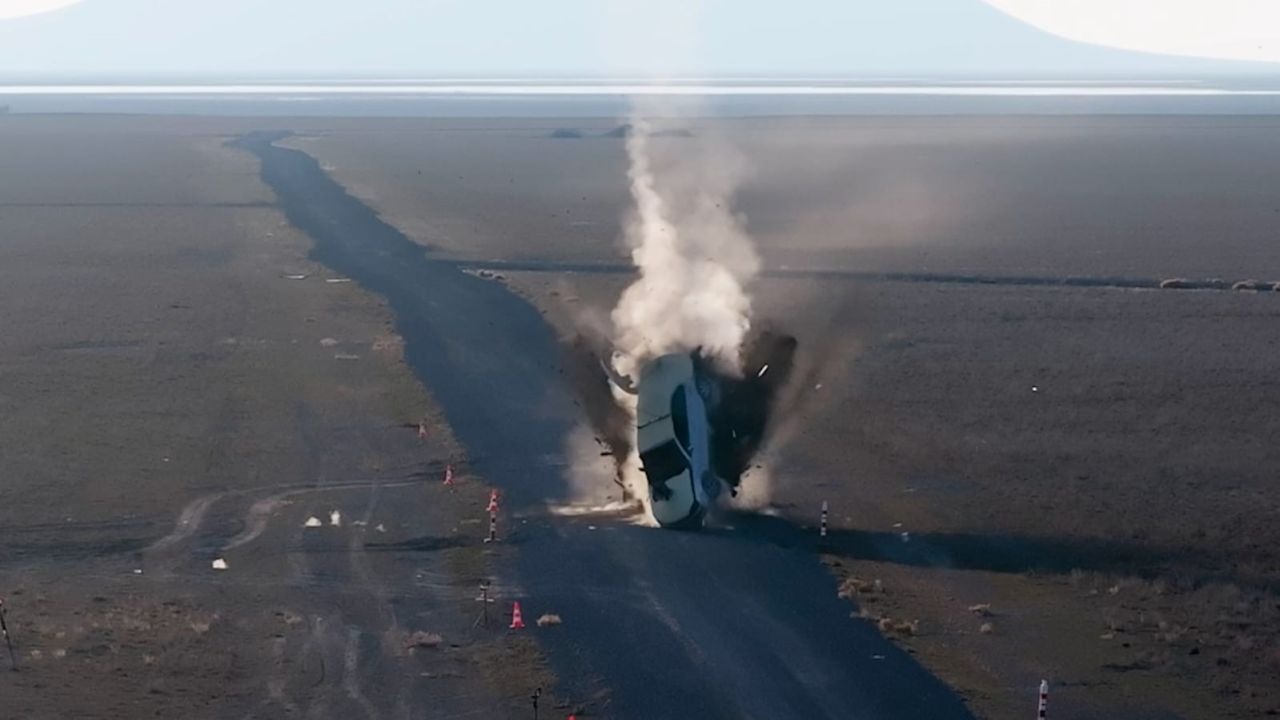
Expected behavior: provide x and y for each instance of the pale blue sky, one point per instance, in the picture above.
(565, 38)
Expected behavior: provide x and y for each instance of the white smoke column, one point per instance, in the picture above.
(693, 256)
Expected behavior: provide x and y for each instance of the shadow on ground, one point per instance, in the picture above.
(963, 551)
(422, 544)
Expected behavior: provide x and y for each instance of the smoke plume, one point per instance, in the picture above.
(692, 253)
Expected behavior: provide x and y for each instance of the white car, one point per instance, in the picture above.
(673, 436)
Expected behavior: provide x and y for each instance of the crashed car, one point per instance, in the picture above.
(699, 427)
(673, 437)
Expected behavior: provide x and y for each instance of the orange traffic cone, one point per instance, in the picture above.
(517, 620)
(448, 474)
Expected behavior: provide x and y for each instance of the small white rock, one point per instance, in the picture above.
(312, 521)
(219, 564)
(380, 528)
(335, 518)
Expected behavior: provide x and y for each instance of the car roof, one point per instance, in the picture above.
(658, 380)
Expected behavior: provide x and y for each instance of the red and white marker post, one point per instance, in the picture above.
(493, 517)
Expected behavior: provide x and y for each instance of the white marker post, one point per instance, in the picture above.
(823, 531)
(1044, 700)
(8, 641)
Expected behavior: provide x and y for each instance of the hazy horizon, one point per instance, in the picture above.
(238, 40)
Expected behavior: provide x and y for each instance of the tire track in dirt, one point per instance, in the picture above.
(322, 689)
(162, 556)
(351, 674)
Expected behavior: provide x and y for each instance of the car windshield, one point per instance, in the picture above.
(680, 418)
(663, 462)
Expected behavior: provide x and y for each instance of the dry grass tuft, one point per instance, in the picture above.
(420, 639)
(855, 587)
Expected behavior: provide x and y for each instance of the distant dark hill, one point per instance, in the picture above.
(625, 130)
